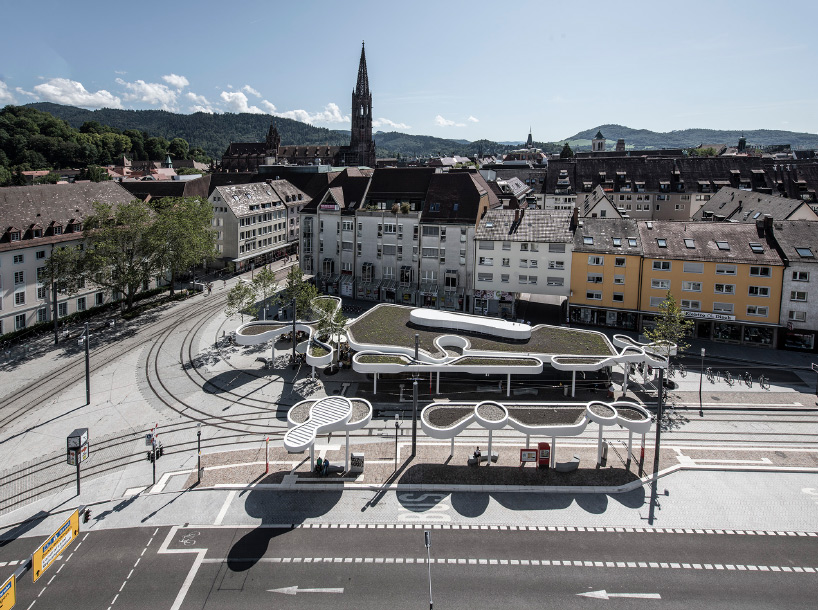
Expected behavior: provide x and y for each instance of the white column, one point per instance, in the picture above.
(312, 457)
(508, 384)
(599, 448)
(630, 446)
(437, 388)
(489, 460)
(375, 386)
(553, 450)
(451, 449)
(346, 456)
(527, 437)
(573, 383)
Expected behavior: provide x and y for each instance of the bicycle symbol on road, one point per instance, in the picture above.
(189, 538)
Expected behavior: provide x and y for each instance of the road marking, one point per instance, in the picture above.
(603, 594)
(200, 554)
(295, 590)
(220, 517)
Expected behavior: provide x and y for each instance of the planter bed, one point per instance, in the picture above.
(602, 410)
(490, 412)
(631, 414)
(547, 416)
(446, 417)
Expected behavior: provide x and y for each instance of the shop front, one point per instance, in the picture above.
(369, 291)
(494, 303)
(387, 291)
(328, 283)
(428, 295)
(724, 328)
(609, 318)
(452, 299)
(798, 339)
(405, 294)
(347, 285)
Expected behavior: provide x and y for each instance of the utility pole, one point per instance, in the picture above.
(428, 541)
(199, 453)
(55, 311)
(87, 367)
(414, 416)
(658, 421)
(293, 331)
(701, 376)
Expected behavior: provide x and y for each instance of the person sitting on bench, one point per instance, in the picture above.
(477, 454)
(319, 465)
(325, 468)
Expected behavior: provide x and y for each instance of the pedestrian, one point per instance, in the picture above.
(325, 468)
(477, 454)
(209, 288)
(224, 283)
(319, 465)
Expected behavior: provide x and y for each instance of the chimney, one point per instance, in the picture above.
(760, 227)
(768, 224)
(516, 216)
(574, 219)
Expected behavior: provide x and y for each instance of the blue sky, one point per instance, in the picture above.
(450, 69)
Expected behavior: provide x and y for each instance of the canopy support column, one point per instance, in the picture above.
(553, 450)
(437, 387)
(508, 384)
(375, 386)
(630, 448)
(488, 463)
(312, 457)
(573, 383)
(346, 455)
(527, 437)
(451, 449)
(599, 448)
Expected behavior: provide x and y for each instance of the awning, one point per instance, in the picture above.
(428, 289)
(329, 278)
(347, 279)
(388, 284)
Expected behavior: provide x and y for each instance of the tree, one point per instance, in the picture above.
(265, 286)
(120, 253)
(181, 236)
(566, 153)
(296, 288)
(331, 323)
(50, 178)
(241, 298)
(672, 327)
(94, 173)
(178, 148)
(63, 272)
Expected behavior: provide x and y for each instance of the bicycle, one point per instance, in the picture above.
(748, 379)
(709, 374)
(682, 370)
(728, 377)
(764, 382)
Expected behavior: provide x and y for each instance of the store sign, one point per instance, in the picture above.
(700, 315)
(494, 294)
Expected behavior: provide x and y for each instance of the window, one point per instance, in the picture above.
(346, 246)
(484, 260)
(389, 273)
(389, 249)
(619, 279)
(595, 278)
(15, 236)
(693, 267)
(725, 269)
(406, 275)
(487, 245)
(588, 241)
(349, 225)
(99, 299)
(757, 310)
(450, 281)
(18, 259)
(20, 297)
(797, 316)
(40, 292)
(656, 301)
(42, 314)
(556, 248)
(485, 277)
(556, 265)
(62, 310)
(800, 276)
(523, 262)
(81, 304)
(797, 295)
(756, 248)
(759, 291)
(761, 271)
(554, 281)
(434, 232)
(596, 260)
(434, 252)
(691, 305)
(689, 243)
(524, 247)
(532, 279)
(631, 242)
(40, 254)
(804, 252)
(722, 307)
(617, 242)
(593, 295)
(660, 284)
(504, 278)
(19, 277)
(20, 321)
(725, 289)
(722, 245)
(618, 297)
(619, 261)
(662, 243)
(661, 265)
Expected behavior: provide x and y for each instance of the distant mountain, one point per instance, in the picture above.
(689, 138)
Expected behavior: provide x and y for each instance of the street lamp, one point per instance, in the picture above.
(701, 412)
(658, 421)
(428, 539)
(199, 453)
(293, 305)
(397, 425)
(84, 339)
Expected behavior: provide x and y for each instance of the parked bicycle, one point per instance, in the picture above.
(764, 382)
(709, 374)
(728, 377)
(748, 379)
(682, 370)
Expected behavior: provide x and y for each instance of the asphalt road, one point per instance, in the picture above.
(230, 568)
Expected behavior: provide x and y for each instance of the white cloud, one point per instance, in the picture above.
(120, 72)
(250, 90)
(174, 80)
(268, 106)
(155, 94)
(330, 114)
(71, 92)
(382, 122)
(22, 91)
(236, 101)
(439, 120)
(474, 119)
(6, 96)
(200, 103)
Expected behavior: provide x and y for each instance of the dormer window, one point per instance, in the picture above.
(631, 242)
(689, 243)
(36, 232)
(756, 248)
(617, 242)
(588, 241)
(661, 242)
(57, 229)
(14, 236)
(722, 245)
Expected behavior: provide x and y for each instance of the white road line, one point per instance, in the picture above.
(224, 508)
(114, 600)
(137, 561)
(86, 536)
(180, 597)
(123, 586)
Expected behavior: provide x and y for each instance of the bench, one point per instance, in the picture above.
(483, 458)
(520, 391)
(567, 466)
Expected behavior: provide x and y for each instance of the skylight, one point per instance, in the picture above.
(617, 241)
(588, 241)
(722, 245)
(805, 252)
(631, 242)
(756, 215)
(756, 248)
(689, 243)
(661, 242)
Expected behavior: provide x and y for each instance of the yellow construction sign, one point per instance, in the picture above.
(57, 542)
(8, 593)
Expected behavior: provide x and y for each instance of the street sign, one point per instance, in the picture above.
(48, 552)
(528, 455)
(8, 593)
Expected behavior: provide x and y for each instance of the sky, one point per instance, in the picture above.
(464, 70)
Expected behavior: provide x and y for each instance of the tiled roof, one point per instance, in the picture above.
(706, 237)
(600, 235)
(746, 206)
(797, 234)
(241, 196)
(530, 226)
(455, 197)
(246, 148)
(390, 183)
(289, 193)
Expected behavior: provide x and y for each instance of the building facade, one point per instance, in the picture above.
(799, 293)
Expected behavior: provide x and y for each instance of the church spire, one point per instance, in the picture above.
(362, 86)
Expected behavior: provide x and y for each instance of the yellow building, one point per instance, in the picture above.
(726, 276)
(605, 273)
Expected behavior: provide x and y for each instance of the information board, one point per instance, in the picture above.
(528, 455)
(57, 542)
(8, 593)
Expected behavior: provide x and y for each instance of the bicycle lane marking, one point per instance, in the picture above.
(188, 539)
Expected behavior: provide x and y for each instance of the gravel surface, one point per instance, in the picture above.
(631, 414)
(490, 412)
(602, 410)
(359, 410)
(547, 416)
(260, 328)
(445, 417)
(300, 413)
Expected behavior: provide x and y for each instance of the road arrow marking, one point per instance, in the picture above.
(295, 589)
(603, 594)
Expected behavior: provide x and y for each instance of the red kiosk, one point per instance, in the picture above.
(543, 455)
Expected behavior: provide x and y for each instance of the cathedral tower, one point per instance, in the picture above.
(362, 147)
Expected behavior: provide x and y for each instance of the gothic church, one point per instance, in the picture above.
(247, 156)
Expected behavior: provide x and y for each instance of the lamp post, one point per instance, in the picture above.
(658, 421)
(701, 376)
(199, 453)
(428, 541)
(84, 339)
(414, 416)
(293, 306)
(397, 425)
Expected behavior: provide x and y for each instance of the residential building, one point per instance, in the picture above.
(597, 204)
(37, 219)
(605, 273)
(740, 205)
(518, 252)
(799, 294)
(251, 221)
(726, 276)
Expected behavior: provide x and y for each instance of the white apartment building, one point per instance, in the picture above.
(518, 252)
(799, 295)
